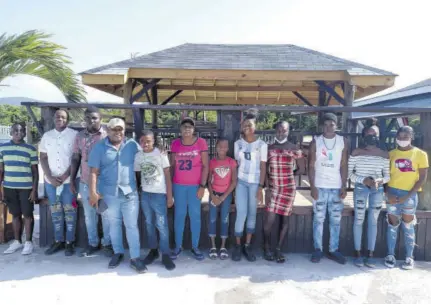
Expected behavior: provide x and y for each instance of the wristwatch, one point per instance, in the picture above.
(202, 186)
(261, 186)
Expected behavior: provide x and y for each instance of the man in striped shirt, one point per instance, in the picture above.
(20, 178)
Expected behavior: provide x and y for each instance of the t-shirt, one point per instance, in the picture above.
(17, 160)
(188, 161)
(221, 174)
(152, 165)
(249, 156)
(405, 167)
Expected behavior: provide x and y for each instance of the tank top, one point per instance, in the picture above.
(328, 162)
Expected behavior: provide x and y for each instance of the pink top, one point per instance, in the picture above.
(221, 174)
(188, 161)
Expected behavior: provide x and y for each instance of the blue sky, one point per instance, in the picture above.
(388, 34)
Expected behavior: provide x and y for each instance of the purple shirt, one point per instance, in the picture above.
(83, 144)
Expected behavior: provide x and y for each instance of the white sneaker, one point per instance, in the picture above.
(390, 261)
(28, 248)
(15, 246)
(409, 264)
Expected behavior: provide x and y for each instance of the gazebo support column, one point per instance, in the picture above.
(425, 195)
(127, 99)
(229, 127)
(154, 100)
(321, 102)
(349, 96)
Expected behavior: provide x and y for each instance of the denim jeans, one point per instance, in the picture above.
(407, 208)
(361, 195)
(329, 201)
(224, 217)
(62, 211)
(124, 208)
(92, 219)
(246, 207)
(185, 199)
(154, 206)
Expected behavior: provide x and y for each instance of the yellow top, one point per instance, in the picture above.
(405, 167)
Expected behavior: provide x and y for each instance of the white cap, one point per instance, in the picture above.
(116, 122)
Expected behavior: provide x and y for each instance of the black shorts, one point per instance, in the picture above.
(18, 203)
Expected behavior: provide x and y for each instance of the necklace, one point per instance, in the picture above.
(324, 143)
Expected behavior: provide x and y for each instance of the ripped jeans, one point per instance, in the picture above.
(155, 208)
(62, 211)
(407, 208)
(329, 201)
(224, 217)
(361, 195)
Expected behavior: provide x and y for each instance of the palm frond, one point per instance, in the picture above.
(32, 53)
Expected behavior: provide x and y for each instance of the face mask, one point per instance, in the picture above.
(403, 143)
(370, 140)
(281, 142)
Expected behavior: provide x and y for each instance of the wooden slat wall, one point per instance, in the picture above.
(299, 238)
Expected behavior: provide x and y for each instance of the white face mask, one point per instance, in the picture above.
(281, 142)
(403, 143)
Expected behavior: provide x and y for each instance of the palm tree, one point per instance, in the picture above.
(32, 53)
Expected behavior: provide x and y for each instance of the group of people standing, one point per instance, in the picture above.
(115, 176)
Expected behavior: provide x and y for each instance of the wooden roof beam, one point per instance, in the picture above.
(238, 88)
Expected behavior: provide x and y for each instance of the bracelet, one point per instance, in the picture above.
(261, 186)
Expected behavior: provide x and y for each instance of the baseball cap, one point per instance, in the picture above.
(188, 120)
(116, 122)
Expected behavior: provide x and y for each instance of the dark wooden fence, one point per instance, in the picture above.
(299, 238)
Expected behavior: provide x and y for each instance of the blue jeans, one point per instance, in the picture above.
(329, 201)
(246, 207)
(92, 219)
(155, 206)
(361, 195)
(185, 197)
(224, 217)
(62, 211)
(404, 208)
(124, 208)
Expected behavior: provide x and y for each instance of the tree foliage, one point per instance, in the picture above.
(31, 53)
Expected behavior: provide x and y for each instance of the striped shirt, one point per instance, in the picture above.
(17, 160)
(361, 167)
(249, 156)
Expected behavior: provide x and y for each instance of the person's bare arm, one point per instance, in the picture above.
(46, 169)
(233, 182)
(423, 175)
(35, 180)
(74, 166)
(1, 180)
(94, 197)
(205, 168)
(138, 179)
(169, 193)
(311, 164)
(344, 169)
(172, 163)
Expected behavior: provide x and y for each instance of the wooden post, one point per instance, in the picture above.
(127, 97)
(3, 221)
(425, 127)
(229, 127)
(154, 99)
(349, 96)
(321, 102)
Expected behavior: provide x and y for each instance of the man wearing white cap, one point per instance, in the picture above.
(111, 161)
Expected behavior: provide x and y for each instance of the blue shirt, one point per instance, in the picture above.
(115, 166)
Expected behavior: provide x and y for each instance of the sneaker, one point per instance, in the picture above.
(167, 262)
(115, 260)
(370, 262)
(175, 253)
(390, 261)
(236, 253)
(70, 249)
(28, 248)
(108, 250)
(14, 246)
(409, 264)
(151, 256)
(358, 261)
(55, 247)
(316, 256)
(198, 254)
(88, 251)
(138, 265)
(213, 253)
(337, 257)
(248, 253)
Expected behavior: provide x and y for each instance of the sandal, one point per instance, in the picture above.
(224, 254)
(279, 257)
(268, 255)
(213, 253)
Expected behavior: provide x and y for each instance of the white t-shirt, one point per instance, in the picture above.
(59, 148)
(151, 166)
(329, 153)
(249, 156)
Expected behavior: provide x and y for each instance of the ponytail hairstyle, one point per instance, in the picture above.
(251, 114)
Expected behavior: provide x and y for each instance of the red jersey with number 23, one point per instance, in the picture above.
(188, 161)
